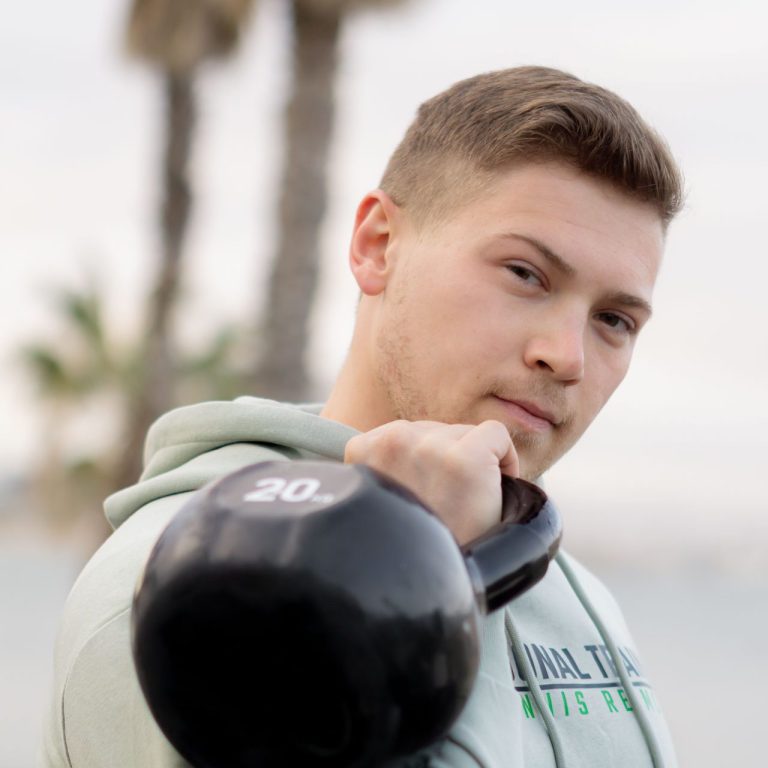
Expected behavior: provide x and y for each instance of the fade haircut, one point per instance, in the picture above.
(465, 136)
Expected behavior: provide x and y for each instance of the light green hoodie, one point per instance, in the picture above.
(560, 684)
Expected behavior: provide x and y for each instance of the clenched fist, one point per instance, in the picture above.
(455, 469)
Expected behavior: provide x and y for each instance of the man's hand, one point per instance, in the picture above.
(455, 469)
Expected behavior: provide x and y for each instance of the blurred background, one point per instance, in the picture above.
(178, 186)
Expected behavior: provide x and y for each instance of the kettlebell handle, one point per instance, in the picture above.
(514, 555)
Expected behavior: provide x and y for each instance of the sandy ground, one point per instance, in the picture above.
(703, 637)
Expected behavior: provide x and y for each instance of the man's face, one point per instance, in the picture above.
(524, 307)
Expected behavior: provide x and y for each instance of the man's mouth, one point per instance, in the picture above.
(530, 415)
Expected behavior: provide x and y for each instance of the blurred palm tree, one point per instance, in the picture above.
(81, 366)
(177, 37)
(281, 369)
(87, 365)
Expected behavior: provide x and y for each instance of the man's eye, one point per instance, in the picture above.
(616, 322)
(525, 274)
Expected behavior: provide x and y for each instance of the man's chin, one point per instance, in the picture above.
(534, 461)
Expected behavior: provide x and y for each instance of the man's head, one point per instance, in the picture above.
(512, 291)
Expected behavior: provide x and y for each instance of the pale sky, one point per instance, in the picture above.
(675, 464)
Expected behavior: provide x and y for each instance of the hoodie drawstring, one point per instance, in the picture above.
(642, 718)
(525, 668)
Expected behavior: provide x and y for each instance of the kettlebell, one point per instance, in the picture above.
(314, 614)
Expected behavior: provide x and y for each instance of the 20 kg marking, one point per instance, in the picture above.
(271, 489)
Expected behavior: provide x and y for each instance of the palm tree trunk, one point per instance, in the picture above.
(180, 104)
(282, 372)
(154, 393)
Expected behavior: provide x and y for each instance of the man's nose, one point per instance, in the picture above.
(558, 349)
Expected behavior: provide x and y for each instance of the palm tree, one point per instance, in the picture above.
(86, 365)
(281, 370)
(177, 37)
(70, 373)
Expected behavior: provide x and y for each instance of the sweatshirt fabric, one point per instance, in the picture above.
(560, 682)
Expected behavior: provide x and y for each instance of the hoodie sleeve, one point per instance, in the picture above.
(98, 717)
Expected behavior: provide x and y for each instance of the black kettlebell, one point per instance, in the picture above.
(315, 614)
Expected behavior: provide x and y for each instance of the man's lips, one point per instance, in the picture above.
(530, 413)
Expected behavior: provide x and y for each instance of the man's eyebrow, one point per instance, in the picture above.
(629, 300)
(619, 297)
(557, 261)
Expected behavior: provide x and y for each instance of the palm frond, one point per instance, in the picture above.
(179, 35)
(46, 368)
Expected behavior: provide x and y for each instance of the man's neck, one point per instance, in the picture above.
(355, 399)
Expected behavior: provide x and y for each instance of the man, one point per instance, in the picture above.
(506, 265)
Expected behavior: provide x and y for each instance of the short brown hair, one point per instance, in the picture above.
(461, 138)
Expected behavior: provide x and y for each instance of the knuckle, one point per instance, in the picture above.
(493, 424)
(427, 443)
(385, 446)
(434, 451)
(496, 429)
(393, 438)
(354, 449)
(456, 463)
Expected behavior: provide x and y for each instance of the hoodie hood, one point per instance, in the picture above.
(191, 446)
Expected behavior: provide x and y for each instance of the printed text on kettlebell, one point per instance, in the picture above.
(271, 489)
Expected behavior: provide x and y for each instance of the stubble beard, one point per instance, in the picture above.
(395, 376)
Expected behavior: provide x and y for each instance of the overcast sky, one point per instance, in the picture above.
(679, 457)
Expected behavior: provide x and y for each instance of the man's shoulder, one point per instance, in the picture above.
(195, 444)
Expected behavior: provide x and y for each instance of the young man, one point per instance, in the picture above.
(506, 265)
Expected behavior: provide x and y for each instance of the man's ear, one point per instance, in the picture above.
(371, 256)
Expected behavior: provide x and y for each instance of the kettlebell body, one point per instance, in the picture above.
(310, 614)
